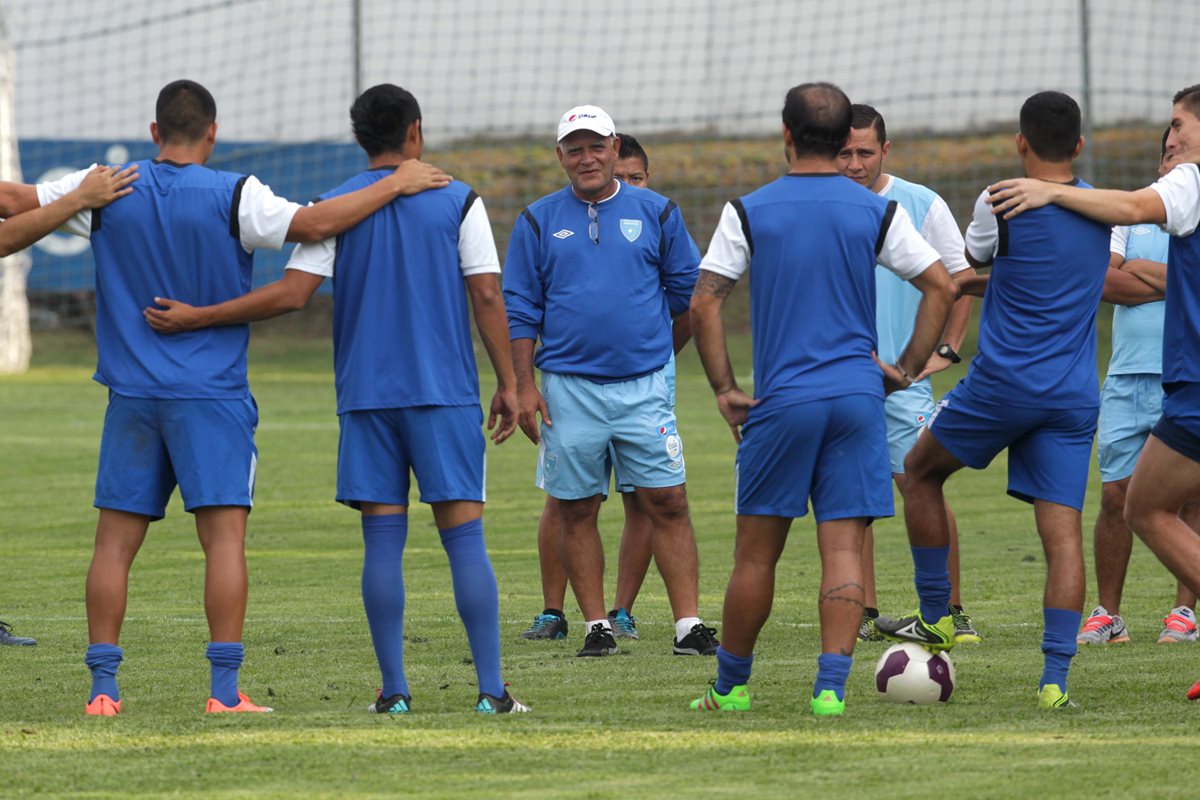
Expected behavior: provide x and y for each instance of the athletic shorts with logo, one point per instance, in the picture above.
(1049, 450)
(150, 446)
(907, 413)
(636, 417)
(442, 445)
(1129, 407)
(833, 452)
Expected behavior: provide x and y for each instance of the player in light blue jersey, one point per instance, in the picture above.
(180, 410)
(1130, 405)
(407, 383)
(862, 160)
(1037, 342)
(636, 548)
(815, 428)
(596, 271)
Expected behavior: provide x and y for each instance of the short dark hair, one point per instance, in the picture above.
(865, 116)
(1162, 151)
(184, 111)
(632, 148)
(1051, 123)
(381, 117)
(818, 117)
(1190, 97)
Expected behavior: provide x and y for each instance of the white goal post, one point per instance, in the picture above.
(15, 344)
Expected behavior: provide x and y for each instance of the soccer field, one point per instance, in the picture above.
(613, 727)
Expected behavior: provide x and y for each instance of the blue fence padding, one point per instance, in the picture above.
(298, 172)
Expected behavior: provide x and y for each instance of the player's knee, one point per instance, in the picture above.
(1112, 499)
(1142, 514)
(667, 504)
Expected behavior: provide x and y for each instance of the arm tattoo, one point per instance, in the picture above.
(714, 284)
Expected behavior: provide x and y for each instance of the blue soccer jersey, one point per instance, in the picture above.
(1037, 333)
(897, 300)
(1137, 332)
(811, 243)
(599, 294)
(1180, 193)
(185, 231)
(401, 329)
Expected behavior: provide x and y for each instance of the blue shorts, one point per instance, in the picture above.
(149, 446)
(442, 445)
(906, 412)
(1129, 407)
(1048, 449)
(622, 482)
(634, 416)
(834, 451)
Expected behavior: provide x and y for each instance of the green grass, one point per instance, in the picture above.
(616, 727)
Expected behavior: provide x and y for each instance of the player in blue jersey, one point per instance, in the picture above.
(596, 270)
(862, 160)
(407, 384)
(1130, 404)
(1167, 474)
(815, 428)
(633, 561)
(180, 409)
(1031, 390)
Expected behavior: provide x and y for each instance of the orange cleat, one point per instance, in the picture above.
(103, 706)
(1194, 692)
(244, 705)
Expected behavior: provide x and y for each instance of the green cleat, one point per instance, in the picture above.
(826, 704)
(1050, 696)
(964, 631)
(738, 699)
(913, 628)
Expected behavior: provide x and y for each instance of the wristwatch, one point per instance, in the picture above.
(946, 351)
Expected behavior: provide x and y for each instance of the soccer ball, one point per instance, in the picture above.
(908, 673)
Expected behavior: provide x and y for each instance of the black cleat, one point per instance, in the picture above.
(396, 704)
(6, 637)
(700, 641)
(599, 642)
(501, 705)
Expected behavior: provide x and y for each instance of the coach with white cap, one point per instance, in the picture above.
(597, 270)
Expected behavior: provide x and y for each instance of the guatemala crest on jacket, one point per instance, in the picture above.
(631, 229)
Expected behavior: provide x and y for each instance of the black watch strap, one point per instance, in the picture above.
(946, 351)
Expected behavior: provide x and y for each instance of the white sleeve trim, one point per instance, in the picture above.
(983, 234)
(904, 252)
(1180, 193)
(1118, 242)
(728, 252)
(47, 193)
(476, 245)
(941, 231)
(263, 217)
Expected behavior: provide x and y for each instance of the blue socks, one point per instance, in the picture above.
(1058, 644)
(383, 595)
(932, 577)
(731, 670)
(103, 660)
(478, 600)
(225, 659)
(832, 672)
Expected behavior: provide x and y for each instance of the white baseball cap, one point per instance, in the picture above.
(586, 118)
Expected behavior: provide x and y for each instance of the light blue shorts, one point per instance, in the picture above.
(149, 446)
(442, 445)
(907, 412)
(623, 484)
(634, 416)
(832, 451)
(1129, 407)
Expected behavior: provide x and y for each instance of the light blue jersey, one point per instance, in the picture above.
(896, 299)
(1137, 332)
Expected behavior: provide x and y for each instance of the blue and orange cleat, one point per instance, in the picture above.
(103, 706)
(244, 706)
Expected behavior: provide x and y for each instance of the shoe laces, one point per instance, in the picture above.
(1176, 622)
(544, 620)
(705, 634)
(598, 630)
(625, 622)
(1097, 622)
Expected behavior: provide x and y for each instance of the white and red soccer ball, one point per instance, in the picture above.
(908, 673)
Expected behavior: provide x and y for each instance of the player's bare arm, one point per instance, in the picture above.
(530, 402)
(1126, 289)
(289, 293)
(100, 187)
(1153, 273)
(487, 304)
(938, 295)
(955, 333)
(709, 333)
(17, 198)
(330, 217)
(1110, 206)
